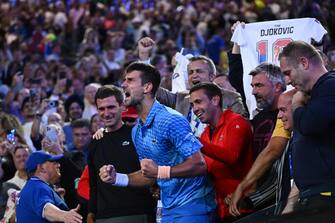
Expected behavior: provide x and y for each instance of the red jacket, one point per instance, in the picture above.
(228, 154)
(83, 188)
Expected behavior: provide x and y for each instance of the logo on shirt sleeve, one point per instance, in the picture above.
(125, 143)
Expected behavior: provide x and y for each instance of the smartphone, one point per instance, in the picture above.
(51, 134)
(11, 136)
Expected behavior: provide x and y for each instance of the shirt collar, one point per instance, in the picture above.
(156, 107)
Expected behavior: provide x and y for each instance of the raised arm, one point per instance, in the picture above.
(236, 68)
(145, 47)
(264, 160)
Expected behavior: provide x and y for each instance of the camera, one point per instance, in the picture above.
(53, 104)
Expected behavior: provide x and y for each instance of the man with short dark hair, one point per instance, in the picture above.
(169, 152)
(74, 107)
(227, 143)
(37, 201)
(108, 203)
(81, 134)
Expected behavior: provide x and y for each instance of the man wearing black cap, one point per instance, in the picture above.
(37, 201)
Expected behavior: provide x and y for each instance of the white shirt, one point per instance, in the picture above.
(17, 180)
(263, 41)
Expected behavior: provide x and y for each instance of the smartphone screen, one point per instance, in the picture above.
(11, 136)
(51, 134)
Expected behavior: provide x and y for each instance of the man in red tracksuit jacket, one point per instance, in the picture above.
(227, 142)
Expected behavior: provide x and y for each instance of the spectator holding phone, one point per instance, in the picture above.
(13, 186)
(11, 133)
(72, 163)
(46, 114)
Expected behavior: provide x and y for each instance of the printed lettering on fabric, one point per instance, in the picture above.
(263, 41)
(277, 31)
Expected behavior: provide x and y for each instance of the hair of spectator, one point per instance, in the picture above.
(9, 122)
(21, 146)
(72, 99)
(208, 61)
(24, 102)
(109, 91)
(148, 74)
(297, 49)
(210, 90)
(81, 123)
(272, 72)
(221, 73)
(157, 59)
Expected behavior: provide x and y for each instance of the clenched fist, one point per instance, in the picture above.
(107, 174)
(149, 168)
(145, 47)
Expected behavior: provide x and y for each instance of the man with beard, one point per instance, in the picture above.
(108, 203)
(37, 201)
(267, 84)
(270, 138)
(169, 153)
(274, 155)
(227, 143)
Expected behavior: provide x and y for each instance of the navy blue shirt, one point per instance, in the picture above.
(313, 152)
(32, 199)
